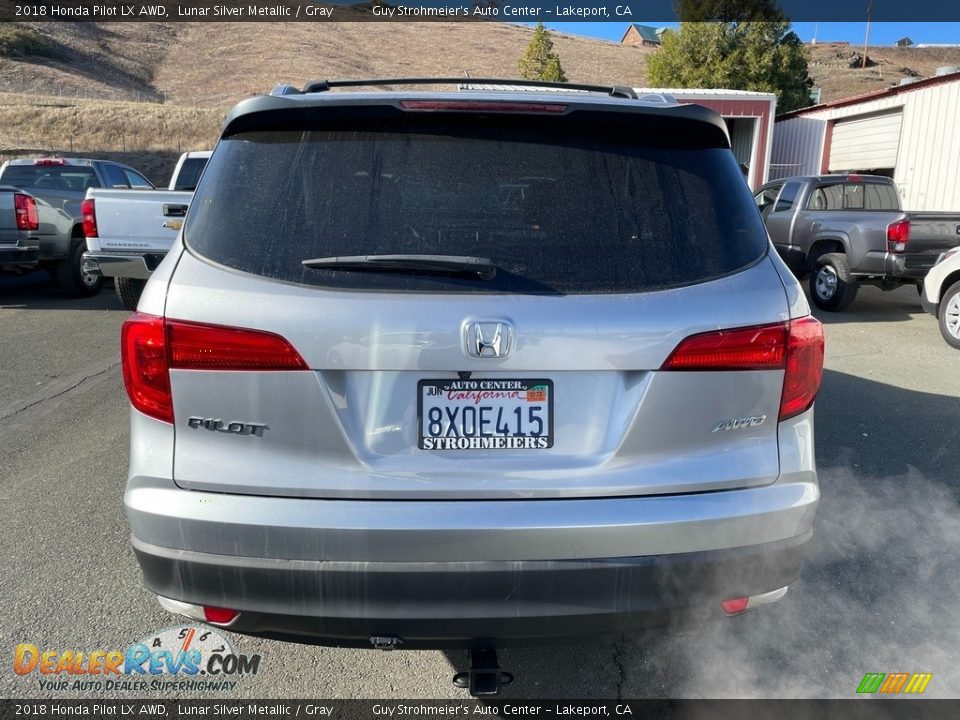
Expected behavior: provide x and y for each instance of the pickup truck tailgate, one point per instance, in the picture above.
(930, 234)
(137, 220)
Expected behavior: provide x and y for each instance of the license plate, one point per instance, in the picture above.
(485, 414)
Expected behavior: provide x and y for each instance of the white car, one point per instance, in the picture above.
(941, 295)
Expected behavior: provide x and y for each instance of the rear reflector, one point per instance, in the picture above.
(735, 606)
(88, 211)
(796, 347)
(738, 605)
(206, 613)
(150, 346)
(25, 208)
(482, 106)
(898, 235)
(218, 615)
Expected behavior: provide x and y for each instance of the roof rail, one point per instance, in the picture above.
(280, 90)
(318, 86)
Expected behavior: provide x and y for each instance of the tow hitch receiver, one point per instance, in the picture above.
(484, 676)
(385, 642)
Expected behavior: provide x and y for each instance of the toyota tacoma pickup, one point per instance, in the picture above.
(57, 186)
(128, 233)
(844, 231)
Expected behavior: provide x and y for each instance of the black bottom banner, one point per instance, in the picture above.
(871, 709)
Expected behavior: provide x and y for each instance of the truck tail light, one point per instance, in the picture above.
(898, 235)
(796, 347)
(88, 211)
(25, 208)
(151, 346)
(50, 161)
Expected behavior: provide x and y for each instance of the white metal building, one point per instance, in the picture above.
(910, 133)
(750, 123)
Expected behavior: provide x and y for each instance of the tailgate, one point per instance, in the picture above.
(9, 235)
(932, 233)
(147, 220)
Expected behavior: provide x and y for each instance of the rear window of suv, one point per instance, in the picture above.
(558, 206)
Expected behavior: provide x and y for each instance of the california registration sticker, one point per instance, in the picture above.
(537, 393)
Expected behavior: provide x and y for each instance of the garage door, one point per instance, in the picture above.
(865, 143)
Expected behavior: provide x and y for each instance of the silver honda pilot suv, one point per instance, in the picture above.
(431, 369)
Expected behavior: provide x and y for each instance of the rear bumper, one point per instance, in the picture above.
(913, 266)
(458, 604)
(17, 255)
(447, 573)
(120, 264)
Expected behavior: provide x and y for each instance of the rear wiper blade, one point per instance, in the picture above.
(482, 268)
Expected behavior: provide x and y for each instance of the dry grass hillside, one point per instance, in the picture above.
(155, 88)
(149, 136)
(220, 63)
(838, 71)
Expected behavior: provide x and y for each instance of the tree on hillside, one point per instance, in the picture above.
(726, 11)
(763, 56)
(539, 61)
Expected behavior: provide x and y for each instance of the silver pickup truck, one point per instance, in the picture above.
(57, 187)
(130, 232)
(844, 231)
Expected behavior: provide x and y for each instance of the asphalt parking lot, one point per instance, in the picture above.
(878, 592)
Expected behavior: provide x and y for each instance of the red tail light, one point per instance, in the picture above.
(143, 355)
(898, 235)
(151, 346)
(751, 348)
(804, 368)
(213, 347)
(25, 208)
(482, 106)
(796, 347)
(88, 211)
(50, 161)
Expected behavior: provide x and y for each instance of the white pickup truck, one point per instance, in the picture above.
(130, 231)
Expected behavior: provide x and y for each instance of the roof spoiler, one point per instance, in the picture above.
(318, 86)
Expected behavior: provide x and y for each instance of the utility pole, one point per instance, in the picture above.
(866, 39)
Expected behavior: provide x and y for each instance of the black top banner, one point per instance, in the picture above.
(551, 11)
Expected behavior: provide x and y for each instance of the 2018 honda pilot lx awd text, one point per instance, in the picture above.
(433, 369)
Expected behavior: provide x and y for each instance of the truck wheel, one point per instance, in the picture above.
(129, 291)
(949, 316)
(74, 281)
(832, 288)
